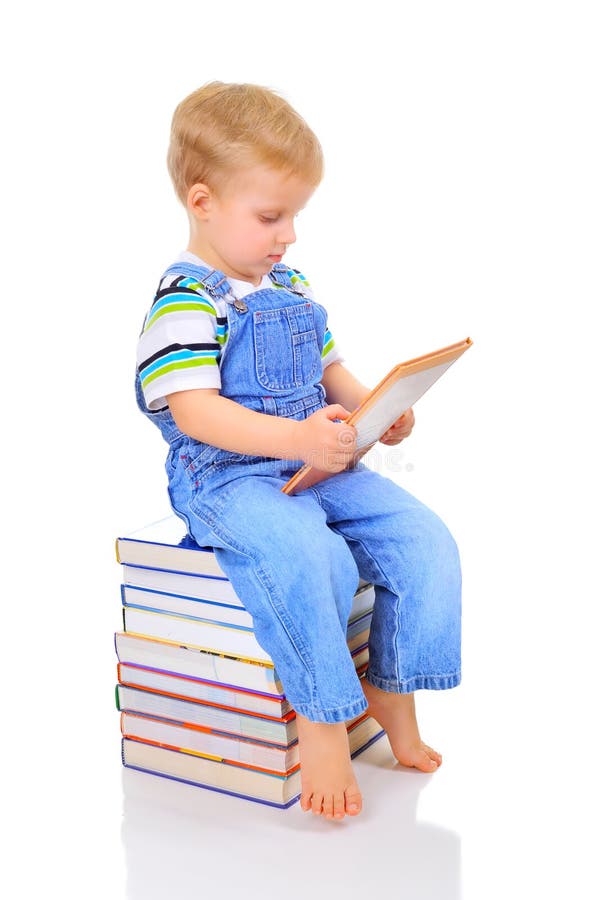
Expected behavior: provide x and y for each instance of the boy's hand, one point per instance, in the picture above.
(324, 443)
(400, 429)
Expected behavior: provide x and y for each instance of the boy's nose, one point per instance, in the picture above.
(287, 234)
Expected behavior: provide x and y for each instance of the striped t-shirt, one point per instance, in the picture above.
(185, 334)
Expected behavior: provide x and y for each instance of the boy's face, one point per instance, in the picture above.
(246, 228)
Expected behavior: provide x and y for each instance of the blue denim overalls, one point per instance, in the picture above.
(295, 560)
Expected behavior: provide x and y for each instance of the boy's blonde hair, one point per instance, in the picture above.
(221, 128)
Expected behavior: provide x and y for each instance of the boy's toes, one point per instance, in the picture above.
(327, 807)
(339, 806)
(421, 757)
(316, 806)
(353, 800)
(306, 801)
(424, 762)
(433, 754)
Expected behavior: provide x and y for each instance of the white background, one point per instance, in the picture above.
(460, 198)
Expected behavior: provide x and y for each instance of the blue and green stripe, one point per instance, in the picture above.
(177, 358)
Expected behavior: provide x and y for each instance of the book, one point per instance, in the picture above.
(280, 760)
(221, 613)
(210, 672)
(228, 777)
(203, 635)
(393, 395)
(227, 748)
(162, 556)
(185, 584)
(180, 659)
(213, 636)
(220, 695)
(281, 731)
(165, 544)
(185, 688)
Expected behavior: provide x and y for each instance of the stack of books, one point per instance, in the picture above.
(200, 700)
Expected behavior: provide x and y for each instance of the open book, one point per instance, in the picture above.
(392, 397)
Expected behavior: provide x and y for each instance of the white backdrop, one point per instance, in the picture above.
(460, 198)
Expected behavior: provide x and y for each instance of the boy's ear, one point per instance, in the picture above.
(199, 201)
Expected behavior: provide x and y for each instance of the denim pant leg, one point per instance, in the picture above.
(296, 577)
(408, 553)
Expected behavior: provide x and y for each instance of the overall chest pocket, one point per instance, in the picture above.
(286, 345)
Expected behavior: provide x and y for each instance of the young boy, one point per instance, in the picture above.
(234, 364)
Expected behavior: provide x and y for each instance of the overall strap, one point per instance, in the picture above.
(210, 280)
(282, 276)
(216, 284)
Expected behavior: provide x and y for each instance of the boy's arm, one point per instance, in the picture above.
(206, 415)
(342, 387)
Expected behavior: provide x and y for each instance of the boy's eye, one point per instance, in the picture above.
(268, 218)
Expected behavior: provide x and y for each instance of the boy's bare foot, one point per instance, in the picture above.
(328, 782)
(396, 713)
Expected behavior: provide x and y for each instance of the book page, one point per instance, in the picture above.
(396, 393)
(393, 403)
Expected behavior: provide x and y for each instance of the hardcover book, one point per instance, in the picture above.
(165, 544)
(209, 671)
(163, 557)
(220, 613)
(281, 731)
(215, 637)
(389, 400)
(201, 741)
(185, 688)
(225, 748)
(184, 584)
(228, 777)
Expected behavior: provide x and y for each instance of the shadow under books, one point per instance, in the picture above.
(180, 841)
